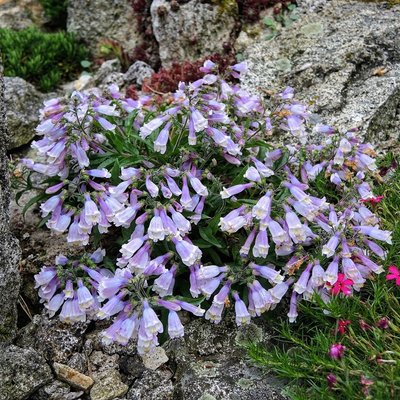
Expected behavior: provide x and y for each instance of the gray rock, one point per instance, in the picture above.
(78, 361)
(22, 371)
(94, 342)
(137, 73)
(100, 361)
(94, 20)
(108, 386)
(9, 247)
(193, 31)
(108, 67)
(116, 78)
(345, 59)
(56, 390)
(20, 14)
(152, 385)
(210, 364)
(311, 5)
(131, 366)
(23, 102)
(155, 359)
(52, 339)
(229, 380)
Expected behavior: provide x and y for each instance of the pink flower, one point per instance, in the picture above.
(366, 383)
(383, 323)
(336, 351)
(394, 273)
(332, 380)
(372, 200)
(364, 326)
(342, 326)
(342, 285)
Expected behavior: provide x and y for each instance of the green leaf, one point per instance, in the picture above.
(258, 143)
(207, 235)
(202, 244)
(18, 195)
(270, 22)
(195, 301)
(115, 172)
(270, 36)
(33, 201)
(44, 221)
(239, 177)
(85, 64)
(278, 164)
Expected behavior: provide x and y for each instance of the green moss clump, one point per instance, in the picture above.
(44, 59)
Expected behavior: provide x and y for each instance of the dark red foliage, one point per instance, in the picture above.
(142, 11)
(250, 9)
(132, 93)
(167, 79)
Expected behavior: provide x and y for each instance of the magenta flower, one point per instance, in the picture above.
(394, 274)
(364, 326)
(383, 323)
(342, 324)
(332, 380)
(336, 351)
(342, 285)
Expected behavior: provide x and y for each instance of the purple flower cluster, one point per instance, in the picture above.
(71, 286)
(203, 201)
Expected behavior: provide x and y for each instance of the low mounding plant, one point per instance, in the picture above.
(349, 348)
(44, 59)
(197, 210)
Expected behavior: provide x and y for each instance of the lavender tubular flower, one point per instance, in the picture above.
(242, 314)
(278, 234)
(160, 144)
(245, 249)
(197, 186)
(261, 246)
(151, 187)
(293, 314)
(151, 322)
(301, 285)
(188, 252)
(262, 209)
(375, 233)
(226, 193)
(127, 329)
(164, 284)
(329, 249)
(296, 229)
(147, 129)
(331, 273)
(175, 327)
(267, 272)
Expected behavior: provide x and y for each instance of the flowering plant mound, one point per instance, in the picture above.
(205, 210)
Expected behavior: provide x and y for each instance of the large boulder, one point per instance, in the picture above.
(22, 102)
(210, 363)
(22, 372)
(94, 20)
(20, 14)
(344, 57)
(190, 31)
(9, 248)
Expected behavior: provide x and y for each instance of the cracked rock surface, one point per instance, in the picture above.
(344, 57)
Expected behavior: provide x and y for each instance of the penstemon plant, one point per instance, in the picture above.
(206, 211)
